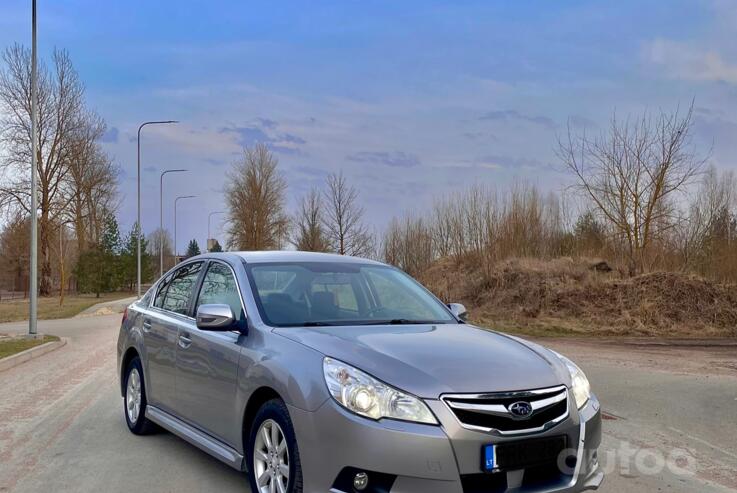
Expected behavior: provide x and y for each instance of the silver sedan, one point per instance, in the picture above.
(317, 372)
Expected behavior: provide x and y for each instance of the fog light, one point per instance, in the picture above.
(360, 481)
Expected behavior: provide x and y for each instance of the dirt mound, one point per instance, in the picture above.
(567, 296)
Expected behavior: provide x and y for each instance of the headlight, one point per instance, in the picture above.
(362, 394)
(580, 385)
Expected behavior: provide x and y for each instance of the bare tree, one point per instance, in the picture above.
(632, 173)
(343, 220)
(255, 198)
(308, 224)
(156, 240)
(14, 248)
(60, 110)
(713, 201)
(91, 182)
(408, 244)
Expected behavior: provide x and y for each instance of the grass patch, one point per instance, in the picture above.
(15, 345)
(48, 308)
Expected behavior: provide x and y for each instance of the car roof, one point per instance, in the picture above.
(290, 256)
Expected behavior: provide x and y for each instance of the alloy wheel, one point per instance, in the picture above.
(133, 395)
(271, 458)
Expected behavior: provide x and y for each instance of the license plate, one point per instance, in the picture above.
(489, 456)
(518, 455)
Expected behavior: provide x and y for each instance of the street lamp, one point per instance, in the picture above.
(138, 208)
(175, 221)
(208, 226)
(161, 217)
(33, 288)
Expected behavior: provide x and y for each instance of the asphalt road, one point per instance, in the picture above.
(62, 426)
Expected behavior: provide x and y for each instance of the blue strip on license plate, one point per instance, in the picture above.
(489, 458)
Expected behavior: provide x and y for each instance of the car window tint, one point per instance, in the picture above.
(341, 291)
(180, 288)
(273, 281)
(396, 297)
(146, 298)
(159, 300)
(219, 287)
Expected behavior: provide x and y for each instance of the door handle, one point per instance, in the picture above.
(184, 341)
(146, 325)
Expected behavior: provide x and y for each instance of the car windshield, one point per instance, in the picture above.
(298, 294)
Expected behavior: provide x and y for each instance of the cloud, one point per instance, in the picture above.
(263, 131)
(717, 130)
(311, 171)
(511, 162)
(289, 151)
(394, 159)
(481, 136)
(110, 136)
(266, 123)
(683, 61)
(514, 115)
(292, 139)
(246, 136)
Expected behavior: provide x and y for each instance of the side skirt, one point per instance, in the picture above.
(197, 438)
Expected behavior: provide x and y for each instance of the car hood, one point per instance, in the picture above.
(429, 360)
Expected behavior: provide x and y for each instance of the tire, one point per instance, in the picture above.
(134, 408)
(260, 464)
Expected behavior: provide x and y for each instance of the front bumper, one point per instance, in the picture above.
(432, 459)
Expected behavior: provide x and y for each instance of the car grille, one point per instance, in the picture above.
(491, 412)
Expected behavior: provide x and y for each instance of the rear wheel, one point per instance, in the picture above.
(134, 403)
(274, 465)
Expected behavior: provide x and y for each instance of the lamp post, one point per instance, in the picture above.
(175, 221)
(161, 217)
(33, 288)
(208, 226)
(138, 207)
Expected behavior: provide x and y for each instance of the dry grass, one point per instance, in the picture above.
(13, 345)
(567, 297)
(48, 308)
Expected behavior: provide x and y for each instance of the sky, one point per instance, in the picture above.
(412, 100)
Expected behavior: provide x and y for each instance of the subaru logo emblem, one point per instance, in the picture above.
(520, 409)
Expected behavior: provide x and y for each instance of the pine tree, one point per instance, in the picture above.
(192, 249)
(110, 241)
(128, 259)
(98, 268)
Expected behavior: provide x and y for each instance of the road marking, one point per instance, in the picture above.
(718, 449)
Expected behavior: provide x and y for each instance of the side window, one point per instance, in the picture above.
(159, 300)
(180, 288)
(219, 287)
(146, 298)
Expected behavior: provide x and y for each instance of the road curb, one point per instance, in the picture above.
(29, 354)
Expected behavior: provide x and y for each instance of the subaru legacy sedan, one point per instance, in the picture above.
(317, 373)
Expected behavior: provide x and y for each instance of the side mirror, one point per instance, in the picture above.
(218, 317)
(458, 310)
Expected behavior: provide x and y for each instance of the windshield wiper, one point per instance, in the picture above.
(314, 324)
(401, 321)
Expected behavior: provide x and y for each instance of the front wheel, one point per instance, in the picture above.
(274, 465)
(134, 402)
